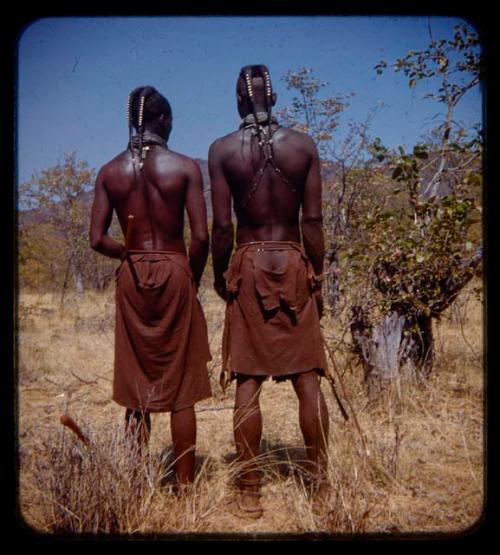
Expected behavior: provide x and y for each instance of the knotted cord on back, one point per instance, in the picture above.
(256, 121)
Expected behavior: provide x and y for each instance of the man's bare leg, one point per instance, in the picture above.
(138, 429)
(183, 428)
(313, 419)
(247, 435)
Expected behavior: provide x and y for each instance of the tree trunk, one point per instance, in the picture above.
(78, 281)
(397, 347)
(65, 282)
(77, 275)
(401, 346)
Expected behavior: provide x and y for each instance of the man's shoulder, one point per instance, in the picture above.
(223, 142)
(179, 162)
(113, 164)
(296, 135)
(183, 158)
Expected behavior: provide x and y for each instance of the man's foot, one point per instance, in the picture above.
(247, 503)
(184, 489)
(320, 497)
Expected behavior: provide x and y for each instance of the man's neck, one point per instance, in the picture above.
(148, 139)
(262, 119)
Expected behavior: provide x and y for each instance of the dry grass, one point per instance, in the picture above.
(423, 471)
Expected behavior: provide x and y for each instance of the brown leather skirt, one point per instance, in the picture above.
(161, 341)
(272, 320)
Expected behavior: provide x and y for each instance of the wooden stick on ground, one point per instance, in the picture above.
(67, 421)
(331, 381)
(346, 397)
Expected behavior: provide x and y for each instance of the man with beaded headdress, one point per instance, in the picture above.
(272, 282)
(161, 343)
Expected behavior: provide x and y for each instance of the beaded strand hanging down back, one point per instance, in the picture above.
(256, 124)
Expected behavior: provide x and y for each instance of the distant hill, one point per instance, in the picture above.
(36, 215)
(27, 216)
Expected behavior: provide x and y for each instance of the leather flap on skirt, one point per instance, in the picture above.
(276, 285)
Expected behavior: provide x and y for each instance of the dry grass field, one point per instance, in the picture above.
(419, 470)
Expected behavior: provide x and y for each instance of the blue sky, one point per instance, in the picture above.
(74, 76)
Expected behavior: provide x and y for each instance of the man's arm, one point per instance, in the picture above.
(312, 220)
(100, 220)
(222, 229)
(197, 214)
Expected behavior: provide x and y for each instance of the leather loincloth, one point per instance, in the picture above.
(161, 341)
(272, 321)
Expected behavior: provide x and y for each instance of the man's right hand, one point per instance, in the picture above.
(318, 297)
(220, 289)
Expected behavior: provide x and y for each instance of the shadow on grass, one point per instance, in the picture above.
(166, 460)
(277, 459)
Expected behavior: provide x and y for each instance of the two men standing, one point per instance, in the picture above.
(271, 283)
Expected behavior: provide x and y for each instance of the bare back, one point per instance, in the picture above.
(276, 198)
(272, 212)
(156, 196)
